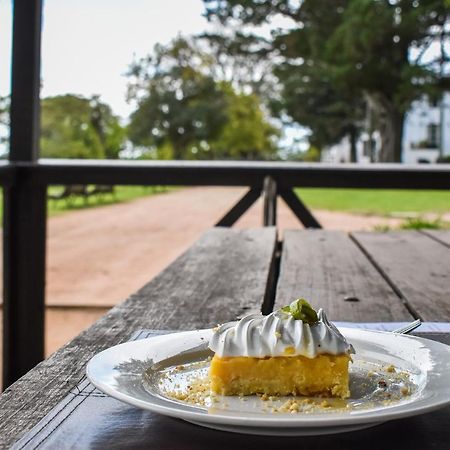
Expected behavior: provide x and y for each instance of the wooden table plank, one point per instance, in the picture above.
(417, 265)
(223, 275)
(442, 236)
(326, 267)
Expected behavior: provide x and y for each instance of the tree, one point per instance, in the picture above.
(311, 98)
(246, 134)
(240, 60)
(182, 106)
(176, 102)
(76, 127)
(107, 126)
(373, 49)
(349, 52)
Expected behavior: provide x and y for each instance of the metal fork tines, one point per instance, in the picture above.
(408, 328)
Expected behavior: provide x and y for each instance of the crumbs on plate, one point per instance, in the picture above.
(189, 383)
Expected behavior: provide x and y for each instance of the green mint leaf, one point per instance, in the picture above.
(300, 309)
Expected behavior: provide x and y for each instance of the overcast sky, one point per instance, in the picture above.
(87, 45)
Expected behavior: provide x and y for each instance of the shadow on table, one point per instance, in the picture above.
(110, 424)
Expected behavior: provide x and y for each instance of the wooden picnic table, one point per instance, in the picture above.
(360, 277)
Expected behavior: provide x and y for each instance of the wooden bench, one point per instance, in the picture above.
(73, 191)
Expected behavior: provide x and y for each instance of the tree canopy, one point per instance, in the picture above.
(76, 127)
(310, 94)
(184, 110)
(246, 134)
(338, 58)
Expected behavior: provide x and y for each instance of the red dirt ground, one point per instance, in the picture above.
(99, 256)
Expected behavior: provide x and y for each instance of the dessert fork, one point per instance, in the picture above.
(408, 328)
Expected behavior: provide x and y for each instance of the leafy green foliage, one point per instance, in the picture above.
(300, 309)
(241, 60)
(339, 58)
(246, 133)
(376, 201)
(310, 94)
(76, 127)
(311, 99)
(419, 223)
(177, 104)
(311, 155)
(184, 112)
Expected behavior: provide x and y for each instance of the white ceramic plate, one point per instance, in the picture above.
(133, 372)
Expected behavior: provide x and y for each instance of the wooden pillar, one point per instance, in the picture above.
(299, 208)
(270, 202)
(236, 212)
(24, 220)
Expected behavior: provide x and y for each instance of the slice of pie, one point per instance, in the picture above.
(292, 351)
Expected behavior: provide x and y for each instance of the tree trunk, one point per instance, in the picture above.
(399, 120)
(353, 138)
(390, 125)
(178, 149)
(391, 137)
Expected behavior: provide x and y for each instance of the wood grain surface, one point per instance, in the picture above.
(330, 271)
(442, 236)
(362, 277)
(208, 284)
(417, 265)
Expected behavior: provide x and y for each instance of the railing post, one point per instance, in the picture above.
(236, 212)
(24, 220)
(270, 202)
(299, 208)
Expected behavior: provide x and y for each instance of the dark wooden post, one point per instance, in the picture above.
(24, 222)
(239, 208)
(270, 202)
(298, 208)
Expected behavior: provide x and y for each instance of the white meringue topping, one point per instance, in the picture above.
(278, 334)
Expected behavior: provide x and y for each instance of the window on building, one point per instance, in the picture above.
(369, 147)
(434, 102)
(433, 135)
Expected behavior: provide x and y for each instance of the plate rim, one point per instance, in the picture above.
(413, 408)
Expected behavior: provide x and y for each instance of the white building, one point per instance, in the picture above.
(423, 136)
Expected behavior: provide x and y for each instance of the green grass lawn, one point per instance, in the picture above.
(121, 194)
(361, 201)
(376, 202)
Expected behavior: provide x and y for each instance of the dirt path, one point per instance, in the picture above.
(97, 257)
